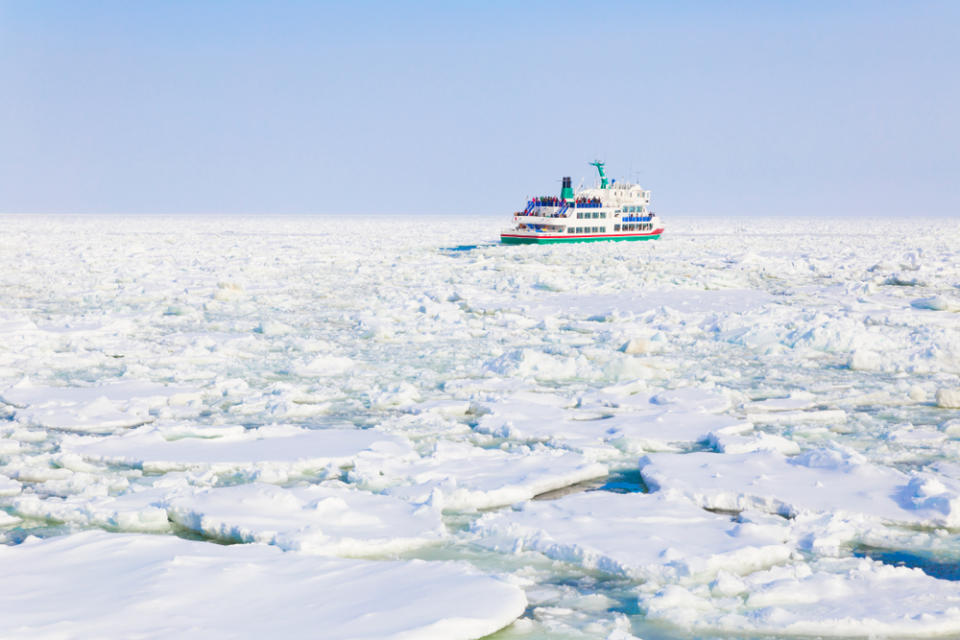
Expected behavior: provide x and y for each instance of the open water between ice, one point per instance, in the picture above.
(753, 433)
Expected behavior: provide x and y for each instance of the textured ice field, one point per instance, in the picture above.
(368, 428)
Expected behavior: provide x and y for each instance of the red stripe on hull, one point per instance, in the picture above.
(582, 235)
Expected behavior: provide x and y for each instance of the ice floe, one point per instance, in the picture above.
(318, 519)
(74, 586)
(132, 511)
(95, 409)
(9, 486)
(831, 597)
(818, 481)
(647, 537)
(270, 453)
(665, 421)
(459, 476)
(948, 398)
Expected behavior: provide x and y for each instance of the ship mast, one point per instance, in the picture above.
(603, 177)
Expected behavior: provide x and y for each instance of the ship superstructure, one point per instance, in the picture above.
(609, 211)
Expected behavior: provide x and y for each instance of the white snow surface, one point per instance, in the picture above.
(309, 386)
(818, 481)
(648, 537)
(318, 519)
(665, 421)
(74, 587)
(97, 408)
(830, 598)
(462, 477)
(268, 451)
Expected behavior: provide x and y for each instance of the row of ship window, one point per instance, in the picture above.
(616, 227)
(603, 214)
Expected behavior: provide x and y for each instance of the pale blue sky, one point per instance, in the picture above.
(753, 108)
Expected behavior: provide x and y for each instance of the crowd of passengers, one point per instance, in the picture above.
(552, 201)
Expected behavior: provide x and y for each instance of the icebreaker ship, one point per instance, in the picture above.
(609, 211)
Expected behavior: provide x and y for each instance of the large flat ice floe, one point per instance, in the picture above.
(818, 481)
(270, 453)
(643, 536)
(833, 597)
(94, 409)
(666, 421)
(462, 477)
(319, 519)
(75, 586)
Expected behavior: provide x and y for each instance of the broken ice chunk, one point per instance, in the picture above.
(325, 520)
(647, 537)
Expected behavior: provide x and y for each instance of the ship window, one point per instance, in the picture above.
(603, 214)
(569, 229)
(616, 227)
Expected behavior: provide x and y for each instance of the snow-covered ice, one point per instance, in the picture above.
(832, 597)
(666, 421)
(690, 436)
(462, 477)
(318, 519)
(267, 452)
(647, 537)
(162, 586)
(98, 408)
(818, 481)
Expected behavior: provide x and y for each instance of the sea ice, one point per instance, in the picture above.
(270, 453)
(134, 585)
(132, 511)
(317, 519)
(831, 597)
(818, 481)
(948, 398)
(666, 421)
(9, 486)
(94, 409)
(462, 477)
(647, 537)
(487, 373)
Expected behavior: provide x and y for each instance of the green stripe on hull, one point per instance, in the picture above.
(536, 240)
